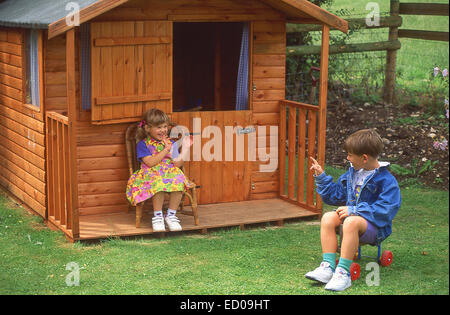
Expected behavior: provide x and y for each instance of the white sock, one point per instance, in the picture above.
(171, 212)
(158, 213)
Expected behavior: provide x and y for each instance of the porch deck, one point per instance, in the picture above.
(211, 216)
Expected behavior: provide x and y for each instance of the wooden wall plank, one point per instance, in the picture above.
(22, 174)
(22, 195)
(28, 144)
(93, 176)
(30, 168)
(23, 130)
(20, 117)
(196, 10)
(268, 89)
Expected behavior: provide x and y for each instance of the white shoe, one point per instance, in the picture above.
(158, 224)
(323, 273)
(173, 223)
(341, 280)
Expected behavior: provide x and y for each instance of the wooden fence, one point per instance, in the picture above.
(59, 183)
(391, 46)
(299, 131)
(433, 9)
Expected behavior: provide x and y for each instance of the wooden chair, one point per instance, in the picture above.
(133, 165)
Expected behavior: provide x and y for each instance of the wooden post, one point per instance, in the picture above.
(323, 93)
(282, 148)
(391, 58)
(73, 117)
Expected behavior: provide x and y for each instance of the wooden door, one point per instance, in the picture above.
(131, 69)
(223, 176)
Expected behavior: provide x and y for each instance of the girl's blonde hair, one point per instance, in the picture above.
(152, 118)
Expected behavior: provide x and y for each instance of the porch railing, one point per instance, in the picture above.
(299, 134)
(59, 184)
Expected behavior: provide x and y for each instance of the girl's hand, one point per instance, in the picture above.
(342, 212)
(316, 167)
(167, 146)
(187, 141)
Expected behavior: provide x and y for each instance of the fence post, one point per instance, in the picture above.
(391, 58)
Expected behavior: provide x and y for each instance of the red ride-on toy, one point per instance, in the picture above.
(383, 258)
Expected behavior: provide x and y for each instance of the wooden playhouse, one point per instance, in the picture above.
(75, 74)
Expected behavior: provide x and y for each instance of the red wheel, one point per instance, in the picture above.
(386, 258)
(355, 271)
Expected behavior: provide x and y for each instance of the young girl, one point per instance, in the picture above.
(160, 171)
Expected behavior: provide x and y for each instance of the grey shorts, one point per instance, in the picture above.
(370, 235)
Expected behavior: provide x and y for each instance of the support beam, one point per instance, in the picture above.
(73, 118)
(321, 134)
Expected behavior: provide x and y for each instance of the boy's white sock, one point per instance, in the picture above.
(158, 213)
(171, 212)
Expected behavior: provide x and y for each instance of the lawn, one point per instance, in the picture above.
(264, 260)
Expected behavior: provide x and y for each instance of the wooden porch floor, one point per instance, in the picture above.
(211, 216)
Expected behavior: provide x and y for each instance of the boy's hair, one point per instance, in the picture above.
(152, 118)
(366, 141)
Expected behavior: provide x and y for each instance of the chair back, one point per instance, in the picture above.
(130, 144)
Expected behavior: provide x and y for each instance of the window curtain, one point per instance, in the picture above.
(85, 45)
(242, 80)
(33, 67)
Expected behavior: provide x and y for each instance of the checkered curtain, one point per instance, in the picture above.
(242, 80)
(33, 67)
(85, 43)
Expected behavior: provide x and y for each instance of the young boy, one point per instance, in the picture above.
(369, 197)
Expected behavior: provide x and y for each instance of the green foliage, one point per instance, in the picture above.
(414, 169)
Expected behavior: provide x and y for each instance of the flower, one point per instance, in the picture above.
(446, 113)
(436, 71)
(444, 73)
(443, 145)
(436, 144)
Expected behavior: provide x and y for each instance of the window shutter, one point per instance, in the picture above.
(131, 69)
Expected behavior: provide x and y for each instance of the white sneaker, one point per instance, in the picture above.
(173, 223)
(341, 280)
(158, 224)
(323, 273)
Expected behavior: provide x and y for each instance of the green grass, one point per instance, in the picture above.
(265, 260)
(415, 60)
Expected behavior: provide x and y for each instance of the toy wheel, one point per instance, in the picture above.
(386, 258)
(355, 271)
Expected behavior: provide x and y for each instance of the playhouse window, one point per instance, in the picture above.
(210, 66)
(32, 68)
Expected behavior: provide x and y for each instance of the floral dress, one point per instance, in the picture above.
(165, 176)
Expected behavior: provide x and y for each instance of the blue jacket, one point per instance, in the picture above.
(378, 201)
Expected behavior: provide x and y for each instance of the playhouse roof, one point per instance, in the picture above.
(50, 14)
(36, 13)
